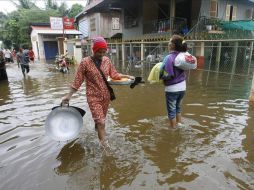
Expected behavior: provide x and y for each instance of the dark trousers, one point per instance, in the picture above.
(3, 74)
(25, 68)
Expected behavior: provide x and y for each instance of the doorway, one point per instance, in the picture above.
(51, 49)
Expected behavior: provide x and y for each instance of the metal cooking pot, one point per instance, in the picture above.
(64, 122)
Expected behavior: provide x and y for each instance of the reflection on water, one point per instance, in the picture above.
(30, 85)
(4, 92)
(213, 150)
(70, 157)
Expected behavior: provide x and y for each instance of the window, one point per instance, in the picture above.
(249, 14)
(231, 12)
(115, 23)
(92, 24)
(213, 8)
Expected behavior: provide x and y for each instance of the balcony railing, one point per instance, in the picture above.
(210, 28)
(171, 25)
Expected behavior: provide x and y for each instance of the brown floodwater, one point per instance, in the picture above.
(213, 150)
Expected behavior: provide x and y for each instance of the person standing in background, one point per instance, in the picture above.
(3, 74)
(174, 81)
(13, 54)
(23, 60)
(7, 55)
(31, 54)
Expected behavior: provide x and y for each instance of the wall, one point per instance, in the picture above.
(137, 30)
(41, 47)
(106, 24)
(34, 39)
(83, 24)
(150, 9)
(95, 32)
(151, 13)
(242, 7)
(195, 11)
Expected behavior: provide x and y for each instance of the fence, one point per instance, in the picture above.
(229, 56)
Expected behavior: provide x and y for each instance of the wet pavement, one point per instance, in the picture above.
(213, 150)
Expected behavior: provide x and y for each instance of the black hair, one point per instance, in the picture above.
(180, 44)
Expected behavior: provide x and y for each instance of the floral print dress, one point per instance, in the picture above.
(97, 93)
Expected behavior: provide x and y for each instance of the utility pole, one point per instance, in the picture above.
(63, 25)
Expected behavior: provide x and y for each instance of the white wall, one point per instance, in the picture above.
(34, 39)
(96, 32)
(41, 47)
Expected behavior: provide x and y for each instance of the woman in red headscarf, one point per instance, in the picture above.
(97, 93)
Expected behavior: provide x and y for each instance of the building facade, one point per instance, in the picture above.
(100, 18)
(144, 19)
(47, 42)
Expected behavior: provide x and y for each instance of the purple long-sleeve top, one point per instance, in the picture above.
(174, 75)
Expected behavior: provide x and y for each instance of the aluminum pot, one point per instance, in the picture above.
(64, 122)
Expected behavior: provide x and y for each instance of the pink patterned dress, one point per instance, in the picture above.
(97, 93)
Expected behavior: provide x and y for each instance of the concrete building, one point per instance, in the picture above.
(46, 42)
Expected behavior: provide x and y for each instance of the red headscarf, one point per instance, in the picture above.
(99, 43)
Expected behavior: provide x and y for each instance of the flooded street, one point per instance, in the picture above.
(214, 149)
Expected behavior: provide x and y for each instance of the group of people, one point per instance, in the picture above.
(23, 57)
(9, 55)
(93, 69)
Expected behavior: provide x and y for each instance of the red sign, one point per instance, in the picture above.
(68, 23)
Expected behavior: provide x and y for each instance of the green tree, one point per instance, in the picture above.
(51, 4)
(24, 4)
(18, 22)
(15, 26)
(62, 9)
(74, 10)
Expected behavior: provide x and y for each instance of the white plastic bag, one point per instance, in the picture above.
(185, 61)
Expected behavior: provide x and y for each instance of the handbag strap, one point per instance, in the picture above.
(102, 74)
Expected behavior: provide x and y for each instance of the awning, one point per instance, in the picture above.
(241, 24)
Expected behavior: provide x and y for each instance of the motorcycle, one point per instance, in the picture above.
(62, 64)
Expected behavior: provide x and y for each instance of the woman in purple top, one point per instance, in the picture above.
(174, 80)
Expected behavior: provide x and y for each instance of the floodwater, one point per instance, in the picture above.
(213, 150)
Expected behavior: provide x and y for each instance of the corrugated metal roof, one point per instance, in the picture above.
(48, 30)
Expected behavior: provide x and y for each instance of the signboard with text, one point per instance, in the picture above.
(68, 23)
(56, 23)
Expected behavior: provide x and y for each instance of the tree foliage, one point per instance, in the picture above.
(24, 4)
(15, 26)
(50, 4)
(75, 9)
(62, 9)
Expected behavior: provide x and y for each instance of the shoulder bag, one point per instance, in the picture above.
(110, 89)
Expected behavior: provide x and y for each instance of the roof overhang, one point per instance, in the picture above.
(48, 30)
(92, 5)
(100, 6)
